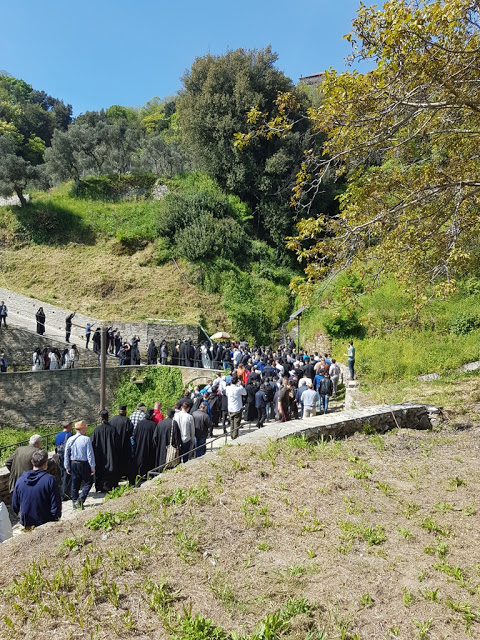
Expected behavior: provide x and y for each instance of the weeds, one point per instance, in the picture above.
(405, 533)
(121, 490)
(361, 470)
(433, 527)
(423, 628)
(107, 519)
(407, 597)
(431, 594)
(373, 535)
(454, 483)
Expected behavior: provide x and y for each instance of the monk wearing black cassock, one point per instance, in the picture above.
(124, 429)
(161, 438)
(144, 450)
(197, 357)
(152, 352)
(107, 449)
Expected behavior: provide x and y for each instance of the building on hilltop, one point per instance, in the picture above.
(313, 80)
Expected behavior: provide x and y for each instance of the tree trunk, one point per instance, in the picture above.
(21, 197)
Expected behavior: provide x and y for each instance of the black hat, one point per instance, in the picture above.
(103, 414)
(122, 407)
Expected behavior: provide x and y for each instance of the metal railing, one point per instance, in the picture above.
(48, 440)
(153, 473)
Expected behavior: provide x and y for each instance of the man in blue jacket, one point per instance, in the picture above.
(36, 496)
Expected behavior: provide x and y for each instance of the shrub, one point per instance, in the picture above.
(163, 384)
(343, 323)
(463, 323)
(115, 187)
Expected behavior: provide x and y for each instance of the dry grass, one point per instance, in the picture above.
(98, 281)
(373, 537)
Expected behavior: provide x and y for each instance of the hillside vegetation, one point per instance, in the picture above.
(140, 258)
(396, 336)
(364, 539)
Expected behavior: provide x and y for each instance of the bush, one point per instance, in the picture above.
(115, 187)
(164, 251)
(162, 384)
(207, 238)
(343, 323)
(463, 323)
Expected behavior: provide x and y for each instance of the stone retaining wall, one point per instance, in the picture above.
(31, 398)
(19, 345)
(20, 307)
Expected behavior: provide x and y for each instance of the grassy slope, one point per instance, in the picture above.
(64, 250)
(370, 538)
(399, 345)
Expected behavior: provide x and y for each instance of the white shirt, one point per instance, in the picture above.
(234, 395)
(186, 424)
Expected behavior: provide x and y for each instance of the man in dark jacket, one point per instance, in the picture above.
(36, 496)
(261, 406)
(21, 460)
(325, 390)
(107, 449)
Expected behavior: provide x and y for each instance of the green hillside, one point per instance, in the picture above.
(397, 337)
(189, 256)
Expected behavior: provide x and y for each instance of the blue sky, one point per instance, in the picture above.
(93, 54)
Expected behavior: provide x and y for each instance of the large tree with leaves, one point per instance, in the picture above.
(218, 93)
(28, 119)
(407, 135)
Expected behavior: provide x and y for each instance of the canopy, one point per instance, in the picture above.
(220, 335)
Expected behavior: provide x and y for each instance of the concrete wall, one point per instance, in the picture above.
(32, 398)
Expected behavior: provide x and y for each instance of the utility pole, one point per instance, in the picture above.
(103, 367)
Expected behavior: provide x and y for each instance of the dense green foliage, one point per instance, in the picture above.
(115, 187)
(217, 95)
(395, 338)
(158, 384)
(28, 119)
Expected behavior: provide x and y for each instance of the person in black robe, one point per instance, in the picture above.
(40, 317)
(197, 357)
(124, 428)
(134, 351)
(250, 410)
(107, 450)
(215, 404)
(97, 340)
(144, 449)
(189, 353)
(152, 352)
(68, 326)
(161, 438)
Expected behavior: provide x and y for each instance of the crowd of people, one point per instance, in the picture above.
(256, 386)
